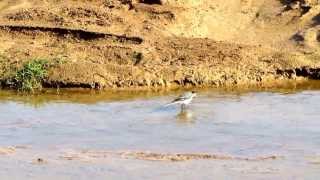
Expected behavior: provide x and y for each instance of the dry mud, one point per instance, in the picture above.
(154, 156)
(130, 44)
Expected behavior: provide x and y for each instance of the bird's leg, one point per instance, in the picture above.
(183, 106)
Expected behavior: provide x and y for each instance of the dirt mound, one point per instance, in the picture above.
(65, 16)
(309, 37)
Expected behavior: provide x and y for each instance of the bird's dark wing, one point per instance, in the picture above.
(180, 98)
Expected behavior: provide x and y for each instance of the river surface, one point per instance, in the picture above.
(89, 134)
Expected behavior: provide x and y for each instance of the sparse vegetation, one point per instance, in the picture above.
(27, 77)
(31, 76)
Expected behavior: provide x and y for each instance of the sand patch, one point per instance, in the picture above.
(90, 155)
(7, 150)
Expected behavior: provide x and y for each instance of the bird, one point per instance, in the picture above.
(183, 99)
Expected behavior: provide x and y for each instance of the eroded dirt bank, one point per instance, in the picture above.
(116, 43)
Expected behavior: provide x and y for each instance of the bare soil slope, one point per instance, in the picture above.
(164, 43)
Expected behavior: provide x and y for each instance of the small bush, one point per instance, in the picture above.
(31, 76)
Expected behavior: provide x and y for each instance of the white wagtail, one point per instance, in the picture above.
(183, 99)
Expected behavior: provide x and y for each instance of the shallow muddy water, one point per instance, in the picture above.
(131, 135)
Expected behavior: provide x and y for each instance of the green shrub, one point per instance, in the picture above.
(31, 75)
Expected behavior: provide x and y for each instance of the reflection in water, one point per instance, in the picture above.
(185, 116)
(82, 96)
(87, 96)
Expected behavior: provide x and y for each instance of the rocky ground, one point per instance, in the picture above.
(162, 43)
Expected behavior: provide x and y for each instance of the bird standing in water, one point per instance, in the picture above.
(184, 99)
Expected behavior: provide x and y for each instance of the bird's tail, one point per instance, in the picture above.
(169, 104)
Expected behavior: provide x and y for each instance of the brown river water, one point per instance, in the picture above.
(224, 134)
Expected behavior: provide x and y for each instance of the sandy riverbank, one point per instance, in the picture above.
(128, 44)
